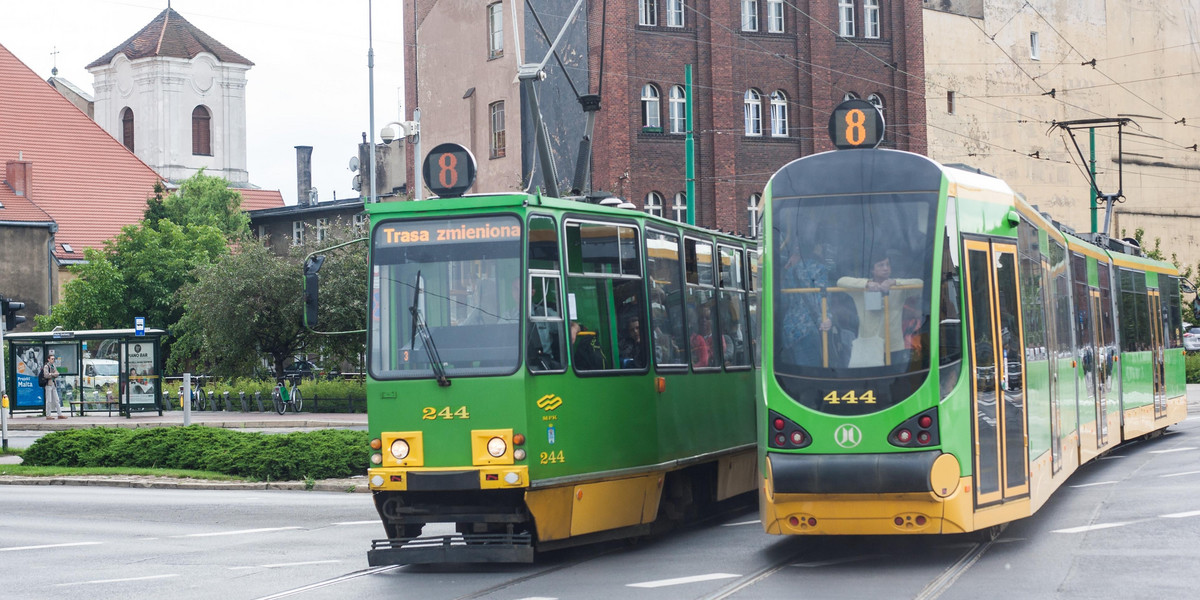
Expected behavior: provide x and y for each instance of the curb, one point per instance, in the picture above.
(147, 482)
(298, 424)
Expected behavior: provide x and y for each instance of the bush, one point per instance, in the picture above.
(324, 454)
(1192, 366)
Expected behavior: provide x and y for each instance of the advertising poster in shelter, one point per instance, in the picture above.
(29, 363)
(141, 374)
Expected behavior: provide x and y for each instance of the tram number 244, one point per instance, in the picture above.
(850, 397)
(430, 413)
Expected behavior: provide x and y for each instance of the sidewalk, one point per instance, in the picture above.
(228, 420)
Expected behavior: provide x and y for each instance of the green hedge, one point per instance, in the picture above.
(324, 454)
(320, 395)
(1192, 362)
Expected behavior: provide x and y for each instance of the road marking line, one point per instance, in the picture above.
(278, 565)
(1172, 450)
(1083, 485)
(375, 522)
(148, 577)
(1091, 527)
(537, 598)
(754, 522)
(10, 549)
(238, 532)
(837, 561)
(1193, 513)
(334, 581)
(682, 580)
(1180, 474)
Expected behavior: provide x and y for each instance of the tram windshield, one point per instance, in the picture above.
(461, 279)
(852, 284)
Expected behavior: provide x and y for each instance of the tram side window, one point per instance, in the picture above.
(1032, 300)
(605, 296)
(1135, 319)
(753, 260)
(1174, 316)
(544, 335)
(1062, 299)
(701, 303)
(950, 317)
(735, 351)
(664, 273)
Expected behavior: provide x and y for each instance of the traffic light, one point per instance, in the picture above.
(10, 308)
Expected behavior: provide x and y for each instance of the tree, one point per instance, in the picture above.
(201, 200)
(343, 293)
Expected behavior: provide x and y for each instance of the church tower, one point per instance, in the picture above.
(176, 97)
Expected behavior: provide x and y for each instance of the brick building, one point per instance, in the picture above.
(766, 74)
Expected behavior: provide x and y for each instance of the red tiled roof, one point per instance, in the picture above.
(19, 208)
(83, 179)
(260, 199)
(169, 34)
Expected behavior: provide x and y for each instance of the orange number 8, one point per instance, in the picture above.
(448, 176)
(856, 133)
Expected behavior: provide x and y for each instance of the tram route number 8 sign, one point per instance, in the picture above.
(449, 170)
(856, 124)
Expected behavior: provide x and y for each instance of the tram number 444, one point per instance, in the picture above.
(850, 397)
(430, 413)
(552, 457)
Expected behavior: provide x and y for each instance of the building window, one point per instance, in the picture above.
(297, 233)
(322, 229)
(497, 138)
(752, 214)
(680, 207)
(650, 108)
(753, 105)
(654, 204)
(871, 18)
(775, 16)
(1035, 52)
(360, 222)
(127, 127)
(877, 100)
(749, 15)
(674, 13)
(201, 131)
(846, 18)
(648, 12)
(950, 102)
(779, 114)
(495, 15)
(678, 109)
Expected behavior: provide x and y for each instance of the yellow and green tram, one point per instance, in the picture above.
(548, 372)
(939, 356)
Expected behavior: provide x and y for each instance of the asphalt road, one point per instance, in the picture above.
(1126, 526)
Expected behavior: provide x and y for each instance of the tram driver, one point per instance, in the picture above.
(879, 301)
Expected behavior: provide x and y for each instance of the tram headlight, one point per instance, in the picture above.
(376, 458)
(399, 449)
(519, 454)
(496, 447)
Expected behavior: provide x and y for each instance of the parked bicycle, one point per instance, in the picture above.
(284, 397)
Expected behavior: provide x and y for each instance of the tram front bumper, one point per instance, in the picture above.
(402, 479)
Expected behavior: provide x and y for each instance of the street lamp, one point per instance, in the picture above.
(412, 131)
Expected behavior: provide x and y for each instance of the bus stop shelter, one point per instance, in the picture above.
(99, 369)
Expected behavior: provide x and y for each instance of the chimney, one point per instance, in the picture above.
(19, 174)
(303, 175)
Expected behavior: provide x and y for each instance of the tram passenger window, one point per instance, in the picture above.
(701, 304)
(663, 271)
(605, 294)
(545, 338)
(1174, 316)
(752, 260)
(735, 351)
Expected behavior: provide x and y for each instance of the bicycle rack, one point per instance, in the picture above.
(245, 404)
(258, 400)
(228, 407)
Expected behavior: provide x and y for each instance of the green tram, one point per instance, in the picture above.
(549, 372)
(939, 355)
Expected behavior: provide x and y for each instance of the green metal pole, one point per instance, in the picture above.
(1092, 139)
(690, 148)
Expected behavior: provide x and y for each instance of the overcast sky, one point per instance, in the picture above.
(308, 86)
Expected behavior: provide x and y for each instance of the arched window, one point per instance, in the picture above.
(779, 114)
(201, 131)
(752, 212)
(678, 109)
(127, 127)
(654, 204)
(877, 100)
(650, 109)
(680, 207)
(753, 105)
(849, 96)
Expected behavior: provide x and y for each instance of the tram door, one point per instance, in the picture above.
(1156, 353)
(998, 363)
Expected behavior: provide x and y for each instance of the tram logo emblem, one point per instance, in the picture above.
(549, 402)
(847, 435)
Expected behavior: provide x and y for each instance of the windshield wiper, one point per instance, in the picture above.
(420, 328)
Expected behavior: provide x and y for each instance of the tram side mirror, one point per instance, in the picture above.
(312, 266)
(1187, 287)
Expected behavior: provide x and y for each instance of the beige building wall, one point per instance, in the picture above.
(457, 84)
(1009, 91)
